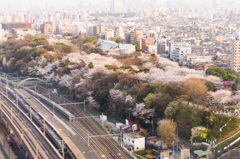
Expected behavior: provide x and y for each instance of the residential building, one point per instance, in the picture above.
(119, 33)
(179, 51)
(194, 59)
(235, 56)
(162, 48)
(152, 49)
(47, 29)
(146, 42)
(97, 30)
(134, 141)
(89, 30)
(109, 33)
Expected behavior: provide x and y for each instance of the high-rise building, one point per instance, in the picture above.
(117, 6)
(216, 4)
(235, 56)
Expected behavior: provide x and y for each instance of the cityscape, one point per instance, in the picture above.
(120, 79)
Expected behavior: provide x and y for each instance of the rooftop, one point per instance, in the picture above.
(134, 135)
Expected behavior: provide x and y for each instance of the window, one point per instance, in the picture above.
(137, 148)
(132, 141)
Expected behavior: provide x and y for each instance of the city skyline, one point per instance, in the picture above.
(106, 4)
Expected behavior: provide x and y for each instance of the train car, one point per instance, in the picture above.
(54, 137)
(44, 99)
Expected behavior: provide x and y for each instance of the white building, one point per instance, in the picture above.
(89, 30)
(179, 51)
(113, 47)
(109, 33)
(134, 141)
(152, 49)
(194, 59)
(120, 33)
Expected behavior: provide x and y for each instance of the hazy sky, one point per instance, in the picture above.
(106, 3)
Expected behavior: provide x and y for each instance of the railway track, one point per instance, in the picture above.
(28, 135)
(32, 136)
(105, 147)
(111, 148)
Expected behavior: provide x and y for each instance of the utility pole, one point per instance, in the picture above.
(7, 88)
(44, 130)
(11, 114)
(17, 99)
(102, 120)
(31, 112)
(88, 139)
(37, 153)
(84, 106)
(63, 150)
(152, 127)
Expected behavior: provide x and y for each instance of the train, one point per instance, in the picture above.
(44, 99)
(38, 120)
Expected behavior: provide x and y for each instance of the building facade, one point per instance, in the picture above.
(179, 51)
(134, 141)
(235, 56)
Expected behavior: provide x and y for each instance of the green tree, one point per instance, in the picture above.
(88, 40)
(119, 40)
(149, 100)
(90, 65)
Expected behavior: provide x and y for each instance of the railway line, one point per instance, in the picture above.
(111, 148)
(104, 147)
(29, 132)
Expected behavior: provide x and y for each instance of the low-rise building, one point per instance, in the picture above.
(134, 142)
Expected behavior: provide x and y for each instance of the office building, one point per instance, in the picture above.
(117, 6)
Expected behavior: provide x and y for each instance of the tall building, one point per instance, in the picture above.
(215, 4)
(136, 37)
(117, 6)
(235, 56)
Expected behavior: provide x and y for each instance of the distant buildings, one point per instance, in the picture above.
(10, 26)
